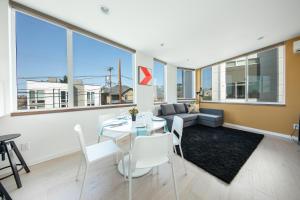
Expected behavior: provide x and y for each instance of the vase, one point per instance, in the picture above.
(133, 117)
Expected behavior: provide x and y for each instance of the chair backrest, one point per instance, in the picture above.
(101, 119)
(152, 149)
(78, 130)
(177, 126)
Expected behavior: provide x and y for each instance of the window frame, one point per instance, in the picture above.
(183, 99)
(246, 99)
(70, 29)
(164, 81)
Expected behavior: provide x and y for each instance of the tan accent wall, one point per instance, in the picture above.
(268, 117)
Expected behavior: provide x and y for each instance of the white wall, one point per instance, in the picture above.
(143, 93)
(4, 57)
(52, 135)
(171, 83)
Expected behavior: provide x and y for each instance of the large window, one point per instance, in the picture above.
(255, 78)
(102, 73)
(158, 82)
(185, 83)
(41, 62)
(101, 70)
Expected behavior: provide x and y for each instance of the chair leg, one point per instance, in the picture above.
(123, 165)
(99, 139)
(83, 184)
(79, 168)
(13, 167)
(182, 157)
(174, 181)
(3, 193)
(130, 179)
(175, 150)
(116, 156)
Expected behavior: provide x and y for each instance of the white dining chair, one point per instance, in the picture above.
(178, 127)
(149, 152)
(93, 153)
(115, 136)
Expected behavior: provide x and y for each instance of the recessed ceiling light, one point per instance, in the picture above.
(105, 10)
(162, 44)
(261, 37)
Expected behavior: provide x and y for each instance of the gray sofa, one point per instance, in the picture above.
(207, 117)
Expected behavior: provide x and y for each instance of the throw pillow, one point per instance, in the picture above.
(193, 108)
(179, 108)
(167, 109)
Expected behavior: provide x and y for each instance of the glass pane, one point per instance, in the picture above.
(235, 78)
(206, 83)
(102, 69)
(180, 83)
(158, 83)
(263, 73)
(41, 62)
(188, 84)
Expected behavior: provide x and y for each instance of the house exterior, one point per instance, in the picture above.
(54, 94)
(111, 95)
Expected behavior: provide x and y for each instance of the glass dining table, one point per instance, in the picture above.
(144, 125)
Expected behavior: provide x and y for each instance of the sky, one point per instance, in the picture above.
(158, 70)
(206, 78)
(42, 49)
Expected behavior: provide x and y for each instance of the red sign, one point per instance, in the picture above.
(145, 76)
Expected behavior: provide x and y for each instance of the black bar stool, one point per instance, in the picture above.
(3, 193)
(5, 142)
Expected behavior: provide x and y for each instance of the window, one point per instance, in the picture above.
(41, 62)
(185, 83)
(255, 78)
(104, 70)
(236, 79)
(158, 83)
(102, 73)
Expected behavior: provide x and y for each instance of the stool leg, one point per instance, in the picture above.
(13, 167)
(4, 193)
(19, 155)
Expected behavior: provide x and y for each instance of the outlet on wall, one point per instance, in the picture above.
(296, 126)
(25, 146)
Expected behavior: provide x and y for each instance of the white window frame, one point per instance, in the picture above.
(246, 100)
(183, 81)
(164, 82)
(70, 66)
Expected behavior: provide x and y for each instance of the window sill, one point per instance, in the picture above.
(185, 100)
(159, 103)
(246, 103)
(75, 109)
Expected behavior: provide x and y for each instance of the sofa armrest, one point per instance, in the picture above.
(212, 111)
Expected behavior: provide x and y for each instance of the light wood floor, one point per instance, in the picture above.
(272, 172)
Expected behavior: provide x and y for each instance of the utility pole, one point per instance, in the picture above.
(120, 81)
(110, 82)
(110, 69)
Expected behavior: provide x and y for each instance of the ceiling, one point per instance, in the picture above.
(195, 33)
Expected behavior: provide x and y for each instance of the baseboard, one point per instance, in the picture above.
(53, 156)
(260, 131)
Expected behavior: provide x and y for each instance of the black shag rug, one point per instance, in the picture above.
(220, 151)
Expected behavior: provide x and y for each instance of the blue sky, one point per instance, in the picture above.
(159, 76)
(41, 52)
(206, 78)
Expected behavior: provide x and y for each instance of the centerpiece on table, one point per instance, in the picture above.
(133, 112)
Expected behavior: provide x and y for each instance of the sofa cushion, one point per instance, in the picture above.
(167, 109)
(179, 108)
(188, 117)
(209, 117)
